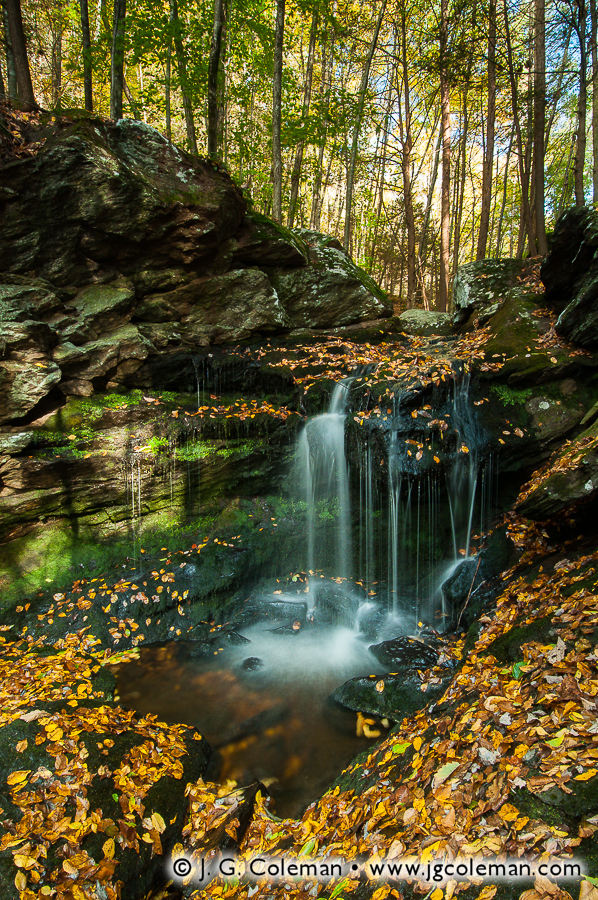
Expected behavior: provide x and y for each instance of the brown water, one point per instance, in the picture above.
(275, 723)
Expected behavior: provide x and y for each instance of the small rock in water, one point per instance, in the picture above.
(404, 651)
(252, 663)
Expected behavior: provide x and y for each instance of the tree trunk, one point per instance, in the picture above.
(326, 90)
(223, 88)
(355, 143)
(298, 162)
(277, 114)
(117, 73)
(445, 214)
(175, 24)
(167, 89)
(86, 40)
(18, 50)
(11, 75)
(57, 59)
(580, 153)
(504, 193)
(459, 200)
(594, 46)
(422, 253)
(539, 123)
(523, 172)
(489, 149)
(213, 69)
(405, 133)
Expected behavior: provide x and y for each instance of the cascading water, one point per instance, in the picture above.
(325, 478)
(415, 525)
(463, 478)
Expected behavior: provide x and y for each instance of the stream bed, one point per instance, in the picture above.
(262, 705)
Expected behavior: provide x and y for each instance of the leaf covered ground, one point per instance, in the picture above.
(505, 763)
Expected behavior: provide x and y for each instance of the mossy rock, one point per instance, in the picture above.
(507, 647)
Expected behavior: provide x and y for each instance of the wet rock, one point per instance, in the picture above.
(426, 322)
(331, 291)
(287, 611)
(251, 306)
(571, 480)
(371, 620)
(404, 652)
(462, 582)
(334, 605)
(252, 663)
(482, 286)
(570, 274)
(261, 242)
(97, 309)
(388, 696)
(23, 384)
(23, 298)
(113, 197)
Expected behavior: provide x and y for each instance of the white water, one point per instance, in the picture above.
(325, 479)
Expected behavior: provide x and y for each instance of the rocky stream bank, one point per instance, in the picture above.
(162, 348)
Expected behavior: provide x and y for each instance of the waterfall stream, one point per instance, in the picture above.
(383, 529)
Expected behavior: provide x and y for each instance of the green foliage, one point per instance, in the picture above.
(511, 396)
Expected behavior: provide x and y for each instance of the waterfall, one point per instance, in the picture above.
(463, 478)
(325, 479)
(415, 523)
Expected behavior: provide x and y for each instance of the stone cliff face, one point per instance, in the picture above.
(116, 247)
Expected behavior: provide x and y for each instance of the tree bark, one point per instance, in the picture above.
(539, 122)
(13, 19)
(489, 149)
(117, 73)
(175, 24)
(355, 143)
(11, 75)
(326, 89)
(422, 253)
(167, 89)
(86, 40)
(405, 133)
(57, 59)
(580, 24)
(277, 113)
(445, 214)
(594, 51)
(299, 151)
(213, 70)
(523, 171)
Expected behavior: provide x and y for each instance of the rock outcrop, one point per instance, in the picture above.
(116, 248)
(570, 274)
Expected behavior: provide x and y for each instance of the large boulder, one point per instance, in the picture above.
(482, 286)
(261, 242)
(570, 274)
(331, 291)
(571, 478)
(106, 198)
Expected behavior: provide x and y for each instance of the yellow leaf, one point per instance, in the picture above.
(22, 745)
(585, 776)
(158, 822)
(417, 743)
(380, 686)
(508, 813)
(18, 777)
(108, 848)
(21, 882)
